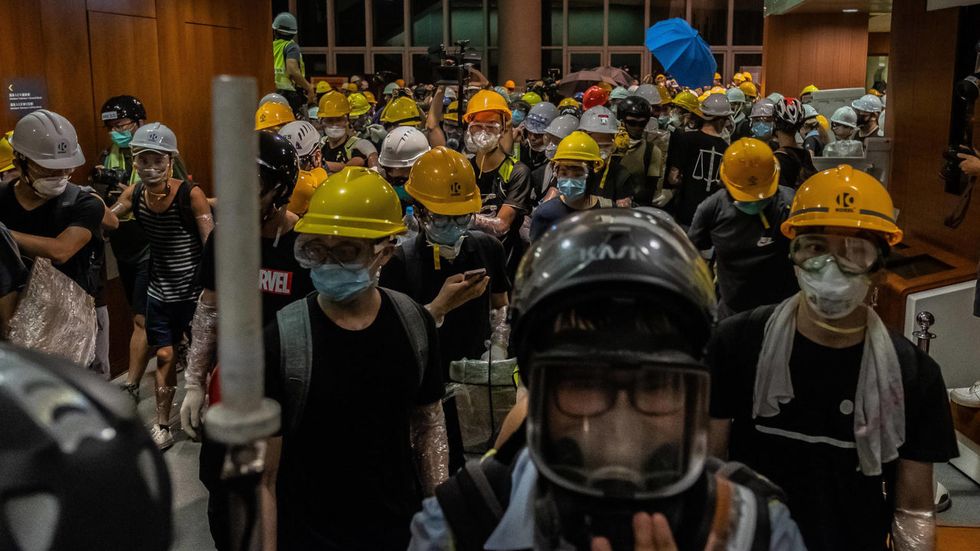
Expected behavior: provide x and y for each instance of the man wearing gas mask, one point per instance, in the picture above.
(611, 313)
(820, 397)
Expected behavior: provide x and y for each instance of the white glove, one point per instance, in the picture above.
(190, 411)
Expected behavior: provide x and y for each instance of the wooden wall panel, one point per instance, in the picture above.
(921, 76)
(139, 8)
(220, 13)
(828, 50)
(879, 43)
(123, 64)
(22, 49)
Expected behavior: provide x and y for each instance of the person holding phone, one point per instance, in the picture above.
(451, 268)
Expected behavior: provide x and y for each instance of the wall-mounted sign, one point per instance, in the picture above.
(23, 95)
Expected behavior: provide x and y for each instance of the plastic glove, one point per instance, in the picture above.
(190, 411)
(376, 133)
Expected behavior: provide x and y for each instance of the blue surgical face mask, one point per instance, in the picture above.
(338, 284)
(751, 208)
(517, 117)
(550, 150)
(447, 235)
(571, 188)
(761, 129)
(121, 139)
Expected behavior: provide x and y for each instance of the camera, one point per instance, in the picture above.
(452, 63)
(109, 183)
(547, 87)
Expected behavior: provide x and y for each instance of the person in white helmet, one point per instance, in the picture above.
(177, 220)
(400, 149)
(305, 139)
(868, 108)
(49, 217)
(843, 123)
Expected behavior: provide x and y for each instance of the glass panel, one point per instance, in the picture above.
(388, 62)
(279, 6)
(579, 61)
(585, 23)
(655, 67)
(747, 23)
(312, 20)
(747, 62)
(426, 22)
(492, 14)
(491, 66)
(466, 21)
(626, 23)
(316, 65)
(350, 22)
(350, 64)
(710, 17)
(550, 60)
(551, 22)
(389, 23)
(665, 9)
(720, 69)
(627, 62)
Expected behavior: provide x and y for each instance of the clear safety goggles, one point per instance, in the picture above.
(315, 250)
(37, 172)
(571, 169)
(148, 158)
(491, 127)
(853, 255)
(442, 221)
(630, 429)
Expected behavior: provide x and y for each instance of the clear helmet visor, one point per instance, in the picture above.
(619, 430)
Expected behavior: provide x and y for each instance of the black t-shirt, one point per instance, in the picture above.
(347, 476)
(515, 192)
(465, 329)
(698, 157)
(752, 260)
(339, 154)
(795, 166)
(619, 182)
(52, 218)
(281, 279)
(549, 213)
(13, 273)
(808, 448)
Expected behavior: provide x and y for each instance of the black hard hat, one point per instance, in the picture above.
(122, 107)
(611, 253)
(78, 469)
(278, 166)
(634, 106)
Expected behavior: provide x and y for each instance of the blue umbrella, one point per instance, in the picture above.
(682, 52)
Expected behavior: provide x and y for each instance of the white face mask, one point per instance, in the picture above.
(50, 187)
(831, 293)
(334, 132)
(480, 141)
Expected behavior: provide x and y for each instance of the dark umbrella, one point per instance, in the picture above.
(619, 77)
(580, 82)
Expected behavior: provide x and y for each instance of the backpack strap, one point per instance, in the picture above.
(410, 314)
(64, 202)
(474, 500)
(763, 489)
(413, 266)
(295, 359)
(349, 146)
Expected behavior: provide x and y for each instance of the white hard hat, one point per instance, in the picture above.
(716, 105)
(48, 139)
(302, 135)
(868, 103)
(776, 97)
(285, 23)
(562, 126)
(599, 119)
(155, 136)
(735, 95)
(809, 112)
(402, 147)
(540, 116)
(648, 92)
(274, 98)
(846, 116)
(763, 108)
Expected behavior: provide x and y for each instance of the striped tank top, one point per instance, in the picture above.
(174, 254)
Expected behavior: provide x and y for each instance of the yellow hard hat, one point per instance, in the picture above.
(578, 146)
(717, 76)
(358, 104)
(747, 75)
(487, 100)
(444, 182)
(349, 87)
(749, 170)
(738, 78)
(748, 88)
(823, 122)
(271, 114)
(510, 85)
(874, 92)
(717, 90)
(568, 102)
(665, 98)
(452, 112)
(323, 87)
(843, 197)
(402, 110)
(703, 97)
(370, 97)
(531, 98)
(400, 82)
(333, 104)
(6, 152)
(809, 90)
(688, 101)
(355, 202)
(306, 184)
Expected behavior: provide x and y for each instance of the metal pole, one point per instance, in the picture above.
(923, 337)
(244, 418)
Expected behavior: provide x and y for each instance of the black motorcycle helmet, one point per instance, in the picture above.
(634, 106)
(78, 469)
(278, 166)
(122, 107)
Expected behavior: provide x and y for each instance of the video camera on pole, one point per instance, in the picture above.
(452, 64)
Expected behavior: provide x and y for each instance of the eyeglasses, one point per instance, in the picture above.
(591, 391)
(348, 254)
(442, 221)
(492, 127)
(853, 255)
(635, 122)
(149, 159)
(122, 126)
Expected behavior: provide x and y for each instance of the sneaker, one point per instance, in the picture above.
(133, 390)
(162, 437)
(943, 501)
(967, 396)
